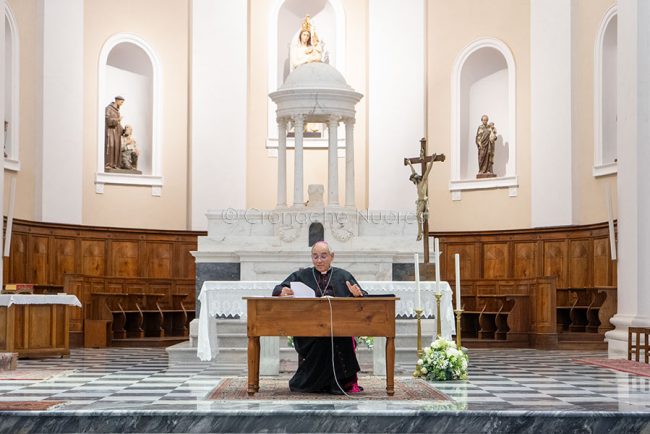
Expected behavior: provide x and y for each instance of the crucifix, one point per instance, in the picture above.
(420, 181)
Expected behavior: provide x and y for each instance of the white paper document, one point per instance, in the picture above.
(300, 290)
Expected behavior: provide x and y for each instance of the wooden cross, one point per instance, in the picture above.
(423, 159)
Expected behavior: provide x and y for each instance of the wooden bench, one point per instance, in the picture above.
(486, 317)
(579, 310)
(135, 316)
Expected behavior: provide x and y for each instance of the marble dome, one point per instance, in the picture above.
(316, 91)
(315, 75)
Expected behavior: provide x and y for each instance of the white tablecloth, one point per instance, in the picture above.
(224, 298)
(9, 299)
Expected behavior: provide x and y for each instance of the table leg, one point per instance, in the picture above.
(253, 364)
(390, 366)
(257, 363)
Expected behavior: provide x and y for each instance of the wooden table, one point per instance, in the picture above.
(288, 316)
(35, 330)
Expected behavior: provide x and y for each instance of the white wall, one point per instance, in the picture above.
(137, 109)
(396, 99)
(218, 107)
(60, 198)
(551, 122)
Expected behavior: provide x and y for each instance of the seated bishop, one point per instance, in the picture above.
(315, 372)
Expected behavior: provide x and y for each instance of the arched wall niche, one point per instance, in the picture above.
(605, 95)
(11, 123)
(285, 19)
(129, 67)
(483, 82)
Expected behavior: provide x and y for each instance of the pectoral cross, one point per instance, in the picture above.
(420, 180)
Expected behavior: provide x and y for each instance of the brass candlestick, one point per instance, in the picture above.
(438, 296)
(418, 315)
(459, 313)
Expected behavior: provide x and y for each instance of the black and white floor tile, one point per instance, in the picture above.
(500, 379)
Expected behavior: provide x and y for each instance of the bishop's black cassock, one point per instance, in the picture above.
(314, 372)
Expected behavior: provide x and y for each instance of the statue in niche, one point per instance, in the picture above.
(113, 135)
(486, 137)
(130, 151)
(306, 46)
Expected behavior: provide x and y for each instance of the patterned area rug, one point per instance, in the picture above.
(374, 388)
(33, 374)
(29, 405)
(629, 366)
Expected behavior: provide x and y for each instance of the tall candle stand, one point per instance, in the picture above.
(459, 313)
(418, 315)
(438, 296)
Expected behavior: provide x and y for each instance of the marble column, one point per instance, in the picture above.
(3, 96)
(550, 64)
(282, 162)
(332, 162)
(392, 105)
(299, 124)
(633, 179)
(218, 167)
(60, 181)
(349, 162)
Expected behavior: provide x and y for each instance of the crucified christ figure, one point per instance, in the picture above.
(422, 202)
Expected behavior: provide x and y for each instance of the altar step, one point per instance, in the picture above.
(233, 343)
(148, 341)
(581, 341)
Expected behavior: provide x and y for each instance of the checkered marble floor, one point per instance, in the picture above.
(500, 379)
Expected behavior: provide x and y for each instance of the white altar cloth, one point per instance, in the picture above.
(7, 300)
(224, 298)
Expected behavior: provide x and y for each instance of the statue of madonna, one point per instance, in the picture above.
(306, 46)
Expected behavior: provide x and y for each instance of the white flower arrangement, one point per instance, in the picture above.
(442, 361)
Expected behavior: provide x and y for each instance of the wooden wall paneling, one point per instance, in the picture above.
(468, 264)
(93, 257)
(184, 264)
(602, 264)
(556, 261)
(543, 313)
(159, 259)
(18, 259)
(580, 265)
(525, 260)
(64, 259)
(477, 265)
(125, 258)
(495, 260)
(38, 258)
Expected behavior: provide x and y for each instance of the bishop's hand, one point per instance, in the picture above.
(286, 292)
(354, 289)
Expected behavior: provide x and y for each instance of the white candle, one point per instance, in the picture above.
(436, 252)
(417, 279)
(457, 258)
